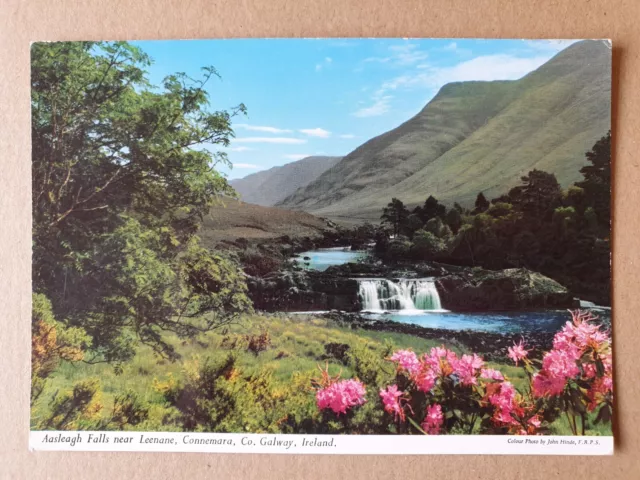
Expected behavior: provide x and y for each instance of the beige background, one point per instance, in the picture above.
(23, 21)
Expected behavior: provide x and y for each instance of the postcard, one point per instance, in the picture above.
(323, 246)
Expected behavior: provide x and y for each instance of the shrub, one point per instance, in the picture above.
(75, 410)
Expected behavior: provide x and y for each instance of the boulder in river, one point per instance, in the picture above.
(510, 289)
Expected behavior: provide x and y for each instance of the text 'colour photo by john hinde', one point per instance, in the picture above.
(331, 246)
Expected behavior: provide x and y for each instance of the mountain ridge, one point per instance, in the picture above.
(268, 187)
(475, 136)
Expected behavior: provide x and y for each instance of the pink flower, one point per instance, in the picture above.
(466, 369)
(440, 360)
(505, 402)
(391, 401)
(491, 374)
(341, 396)
(535, 421)
(589, 370)
(600, 388)
(517, 352)
(433, 420)
(407, 360)
(543, 384)
(557, 367)
(425, 379)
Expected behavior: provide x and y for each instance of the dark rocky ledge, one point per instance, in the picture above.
(460, 289)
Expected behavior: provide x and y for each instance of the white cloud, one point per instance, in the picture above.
(281, 140)
(239, 149)
(296, 156)
(258, 128)
(484, 68)
(380, 106)
(316, 132)
(451, 46)
(347, 135)
(426, 76)
(249, 166)
(327, 61)
(401, 55)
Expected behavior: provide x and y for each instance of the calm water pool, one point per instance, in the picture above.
(324, 258)
(507, 322)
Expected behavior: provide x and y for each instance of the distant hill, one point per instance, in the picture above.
(273, 185)
(232, 219)
(475, 136)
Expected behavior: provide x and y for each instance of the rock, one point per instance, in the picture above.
(511, 289)
(358, 270)
(289, 291)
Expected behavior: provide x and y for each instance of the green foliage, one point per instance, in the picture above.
(51, 342)
(597, 179)
(539, 194)
(119, 193)
(75, 410)
(438, 228)
(412, 224)
(428, 246)
(431, 209)
(395, 215)
(128, 409)
(454, 219)
(482, 204)
(399, 248)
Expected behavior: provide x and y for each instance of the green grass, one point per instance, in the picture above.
(297, 345)
(297, 348)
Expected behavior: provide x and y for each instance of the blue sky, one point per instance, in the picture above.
(328, 96)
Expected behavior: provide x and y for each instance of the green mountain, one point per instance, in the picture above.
(473, 137)
(271, 186)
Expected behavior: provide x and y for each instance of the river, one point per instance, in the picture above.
(416, 301)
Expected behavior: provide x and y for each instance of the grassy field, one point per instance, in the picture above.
(296, 348)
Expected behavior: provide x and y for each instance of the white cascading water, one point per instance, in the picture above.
(383, 294)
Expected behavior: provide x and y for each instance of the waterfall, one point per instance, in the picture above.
(383, 294)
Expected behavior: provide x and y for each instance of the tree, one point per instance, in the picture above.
(454, 220)
(437, 227)
(482, 204)
(118, 194)
(395, 214)
(412, 224)
(427, 246)
(597, 179)
(431, 209)
(538, 196)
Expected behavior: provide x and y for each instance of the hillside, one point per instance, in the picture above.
(233, 219)
(271, 186)
(475, 136)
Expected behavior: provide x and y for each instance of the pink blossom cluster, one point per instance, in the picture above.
(517, 352)
(439, 362)
(391, 399)
(433, 420)
(565, 360)
(407, 360)
(491, 374)
(341, 395)
(504, 399)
